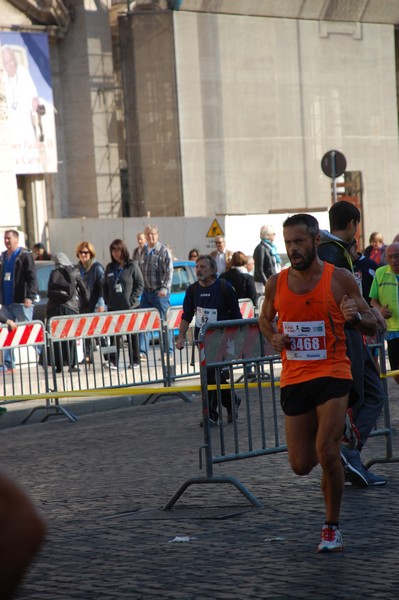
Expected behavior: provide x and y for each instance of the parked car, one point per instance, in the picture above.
(183, 276)
(43, 270)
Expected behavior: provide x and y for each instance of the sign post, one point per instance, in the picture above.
(333, 164)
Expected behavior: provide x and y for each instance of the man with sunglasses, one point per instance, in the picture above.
(221, 255)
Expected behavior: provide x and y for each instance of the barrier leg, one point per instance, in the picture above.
(56, 407)
(217, 479)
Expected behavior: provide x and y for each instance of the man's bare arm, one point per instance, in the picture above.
(267, 316)
(184, 325)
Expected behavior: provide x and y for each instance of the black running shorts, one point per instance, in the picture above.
(299, 398)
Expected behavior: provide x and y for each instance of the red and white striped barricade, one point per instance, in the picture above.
(109, 328)
(247, 308)
(26, 342)
(104, 324)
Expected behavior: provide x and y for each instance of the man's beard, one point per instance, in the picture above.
(307, 260)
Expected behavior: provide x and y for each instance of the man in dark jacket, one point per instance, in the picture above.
(335, 248)
(18, 288)
(210, 299)
(266, 259)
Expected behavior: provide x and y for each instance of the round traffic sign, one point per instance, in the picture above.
(333, 163)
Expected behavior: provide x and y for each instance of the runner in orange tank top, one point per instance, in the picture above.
(312, 300)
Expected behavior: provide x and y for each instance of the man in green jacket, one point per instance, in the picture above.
(384, 297)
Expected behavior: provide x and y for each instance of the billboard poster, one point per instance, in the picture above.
(26, 80)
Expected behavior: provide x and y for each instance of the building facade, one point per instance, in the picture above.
(196, 108)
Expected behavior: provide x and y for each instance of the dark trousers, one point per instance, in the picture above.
(393, 353)
(367, 383)
(133, 349)
(225, 395)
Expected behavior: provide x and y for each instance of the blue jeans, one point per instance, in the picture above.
(20, 313)
(152, 300)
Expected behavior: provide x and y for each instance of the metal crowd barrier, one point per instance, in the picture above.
(106, 339)
(185, 363)
(257, 426)
(256, 429)
(235, 348)
(27, 380)
(383, 426)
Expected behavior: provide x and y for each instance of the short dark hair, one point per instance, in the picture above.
(341, 213)
(14, 233)
(311, 224)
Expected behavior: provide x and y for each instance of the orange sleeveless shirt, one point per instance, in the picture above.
(315, 325)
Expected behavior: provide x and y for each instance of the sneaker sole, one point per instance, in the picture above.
(374, 483)
(353, 475)
(329, 550)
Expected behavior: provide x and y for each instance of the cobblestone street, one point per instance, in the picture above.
(101, 484)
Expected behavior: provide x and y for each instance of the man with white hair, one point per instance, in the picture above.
(266, 258)
(384, 297)
(221, 255)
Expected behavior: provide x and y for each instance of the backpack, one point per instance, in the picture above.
(61, 285)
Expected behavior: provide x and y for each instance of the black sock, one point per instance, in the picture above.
(332, 525)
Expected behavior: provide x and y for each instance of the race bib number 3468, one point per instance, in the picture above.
(307, 340)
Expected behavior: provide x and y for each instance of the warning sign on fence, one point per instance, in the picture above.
(214, 229)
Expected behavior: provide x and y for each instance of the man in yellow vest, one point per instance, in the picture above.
(384, 297)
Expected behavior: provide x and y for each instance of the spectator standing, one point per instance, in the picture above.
(315, 386)
(376, 250)
(240, 279)
(92, 273)
(67, 295)
(335, 248)
(5, 318)
(221, 255)
(19, 288)
(157, 269)
(364, 270)
(138, 251)
(384, 296)
(40, 252)
(266, 258)
(210, 299)
(123, 285)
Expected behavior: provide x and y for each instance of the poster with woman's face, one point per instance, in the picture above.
(26, 83)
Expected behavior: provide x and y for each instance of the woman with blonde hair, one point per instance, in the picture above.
(92, 273)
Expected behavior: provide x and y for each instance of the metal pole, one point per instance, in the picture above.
(333, 175)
